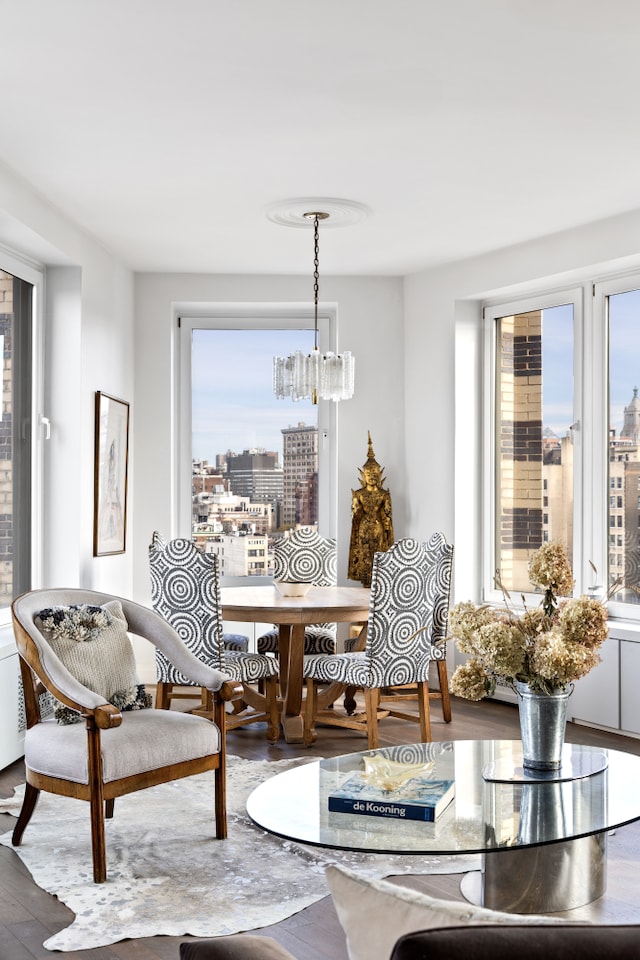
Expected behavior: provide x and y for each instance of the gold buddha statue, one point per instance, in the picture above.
(371, 524)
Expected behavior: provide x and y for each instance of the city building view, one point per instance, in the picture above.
(535, 463)
(245, 501)
(254, 469)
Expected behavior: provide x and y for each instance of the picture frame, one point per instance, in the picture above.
(111, 465)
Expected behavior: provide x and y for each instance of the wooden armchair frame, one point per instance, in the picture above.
(42, 671)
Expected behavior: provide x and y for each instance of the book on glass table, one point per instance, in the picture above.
(421, 798)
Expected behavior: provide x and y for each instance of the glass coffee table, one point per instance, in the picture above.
(543, 842)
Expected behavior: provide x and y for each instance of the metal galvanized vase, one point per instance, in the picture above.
(543, 719)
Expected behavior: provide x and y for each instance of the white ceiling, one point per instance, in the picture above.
(165, 128)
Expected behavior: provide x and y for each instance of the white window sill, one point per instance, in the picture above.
(620, 629)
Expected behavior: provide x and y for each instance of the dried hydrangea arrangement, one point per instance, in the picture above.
(548, 647)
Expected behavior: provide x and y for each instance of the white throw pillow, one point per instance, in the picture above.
(374, 914)
(93, 644)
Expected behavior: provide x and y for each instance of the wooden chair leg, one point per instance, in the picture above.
(443, 680)
(273, 709)
(310, 708)
(109, 806)
(349, 702)
(31, 795)
(220, 774)
(425, 711)
(97, 804)
(372, 702)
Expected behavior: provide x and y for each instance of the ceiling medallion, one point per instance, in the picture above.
(293, 213)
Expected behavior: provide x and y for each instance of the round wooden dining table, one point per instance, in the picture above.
(265, 604)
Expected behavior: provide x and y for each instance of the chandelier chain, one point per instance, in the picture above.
(316, 286)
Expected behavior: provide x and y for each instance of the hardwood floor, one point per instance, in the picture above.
(28, 915)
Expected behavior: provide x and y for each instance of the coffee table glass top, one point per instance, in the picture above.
(485, 814)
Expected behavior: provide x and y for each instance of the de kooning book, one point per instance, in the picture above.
(421, 798)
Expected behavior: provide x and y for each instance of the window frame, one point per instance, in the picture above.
(492, 311)
(251, 316)
(33, 273)
(602, 290)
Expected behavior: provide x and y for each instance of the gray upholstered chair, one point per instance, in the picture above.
(410, 590)
(185, 590)
(75, 644)
(305, 557)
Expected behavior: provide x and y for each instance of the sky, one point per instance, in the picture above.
(624, 361)
(624, 352)
(234, 406)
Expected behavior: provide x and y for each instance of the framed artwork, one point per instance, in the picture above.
(110, 475)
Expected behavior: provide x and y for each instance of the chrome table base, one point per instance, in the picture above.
(548, 879)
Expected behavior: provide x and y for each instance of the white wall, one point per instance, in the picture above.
(370, 324)
(443, 368)
(89, 347)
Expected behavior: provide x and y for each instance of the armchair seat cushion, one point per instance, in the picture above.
(145, 740)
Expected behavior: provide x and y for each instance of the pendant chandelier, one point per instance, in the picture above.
(315, 375)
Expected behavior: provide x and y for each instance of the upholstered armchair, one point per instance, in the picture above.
(105, 740)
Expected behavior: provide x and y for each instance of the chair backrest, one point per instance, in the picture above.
(41, 666)
(409, 607)
(185, 590)
(306, 557)
(37, 664)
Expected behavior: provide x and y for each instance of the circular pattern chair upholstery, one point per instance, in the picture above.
(185, 590)
(408, 614)
(305, 557)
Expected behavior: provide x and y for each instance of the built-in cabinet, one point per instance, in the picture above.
(596, 699)
(629, 688)
(609, 696)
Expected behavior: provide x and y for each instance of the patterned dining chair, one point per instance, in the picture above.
(305, 557)
(408, 614)
(231, 641)
(185, 590)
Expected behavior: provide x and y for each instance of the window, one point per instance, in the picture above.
(19, 438)
(622, 314)
(531, 351)
(563, 416)
(250, 465)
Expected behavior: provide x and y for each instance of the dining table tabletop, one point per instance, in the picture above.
(265, 604)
